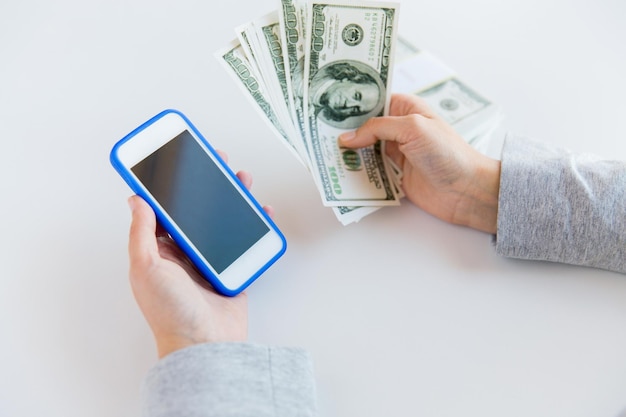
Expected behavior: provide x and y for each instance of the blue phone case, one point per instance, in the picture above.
(165, 222)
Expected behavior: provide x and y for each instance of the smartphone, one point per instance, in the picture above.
(199, 201)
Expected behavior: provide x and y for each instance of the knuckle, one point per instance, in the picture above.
(414, 125)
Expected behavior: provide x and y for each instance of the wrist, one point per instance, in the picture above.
(169, 344)
(165, 347)
(479, 206)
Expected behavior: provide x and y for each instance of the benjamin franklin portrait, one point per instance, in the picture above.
(347, 93)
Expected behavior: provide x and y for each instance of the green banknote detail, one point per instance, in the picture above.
(348, 67)
(245, 74)
(291, 19)
(276, 52)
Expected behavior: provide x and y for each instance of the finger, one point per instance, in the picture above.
(245, 178)
(393, 151)
(392, 127)
(270, 211)
(399, 129)
(142, 244)
(405, 104)
(222, 155)
(160, 231)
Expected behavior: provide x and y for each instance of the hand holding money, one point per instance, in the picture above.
(443, 174)
(317, 69)
(314, 70)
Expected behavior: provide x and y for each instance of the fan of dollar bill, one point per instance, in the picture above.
(314, 70)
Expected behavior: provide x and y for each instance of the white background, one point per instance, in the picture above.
(403, 314)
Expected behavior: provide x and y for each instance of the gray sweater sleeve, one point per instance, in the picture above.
(230, 379)
(558, 206)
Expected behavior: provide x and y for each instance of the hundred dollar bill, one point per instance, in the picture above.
(234, 60)
(250, 37)
(268, 34)
(405, 50)
(453, 100)
(348, 68)
(292, 16)
(268, 28)
(245, 42)
(347, 215)
(470, 113)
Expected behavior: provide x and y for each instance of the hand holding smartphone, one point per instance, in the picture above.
(199, 201)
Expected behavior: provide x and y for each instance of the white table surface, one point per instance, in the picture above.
(404, 314)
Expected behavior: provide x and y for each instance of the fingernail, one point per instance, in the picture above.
(347, 137)
(131, 203)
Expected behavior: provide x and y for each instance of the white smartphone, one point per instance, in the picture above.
(199, 201)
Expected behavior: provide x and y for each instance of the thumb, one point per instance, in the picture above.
(400, 129)
(142, 244)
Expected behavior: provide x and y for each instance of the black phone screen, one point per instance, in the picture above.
(201, 200)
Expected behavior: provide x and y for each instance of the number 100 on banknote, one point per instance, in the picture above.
(347, 80)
